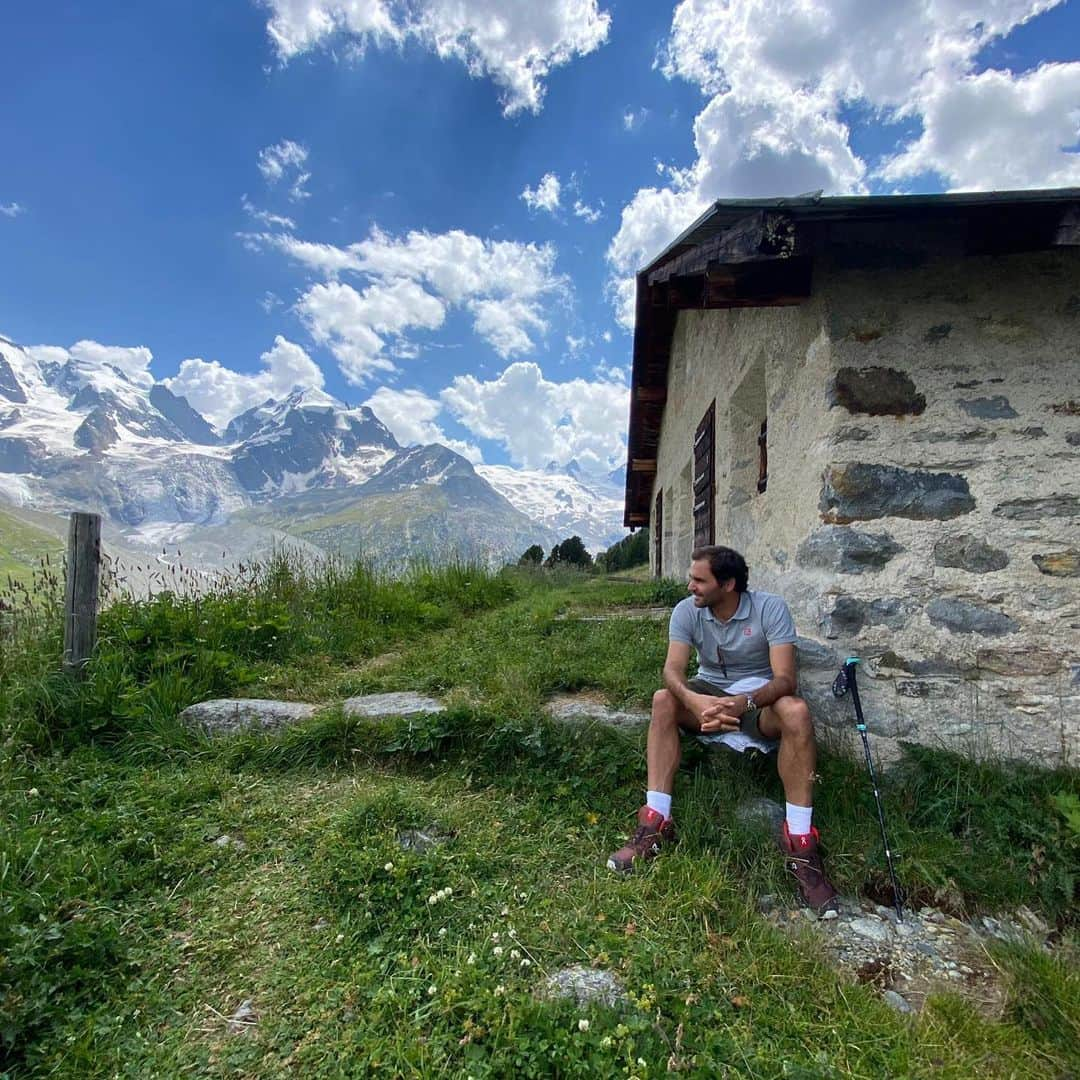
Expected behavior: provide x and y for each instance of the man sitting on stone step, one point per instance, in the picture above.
(743, 694)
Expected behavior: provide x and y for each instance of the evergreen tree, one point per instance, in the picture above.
(571, 552)
(632, 550)
(532, 556)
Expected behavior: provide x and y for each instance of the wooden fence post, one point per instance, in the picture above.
(81, 591)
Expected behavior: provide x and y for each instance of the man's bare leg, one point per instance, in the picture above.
(664, 749)
(654, 826)
(788, 719)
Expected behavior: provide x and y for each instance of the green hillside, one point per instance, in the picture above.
(389, 529)
(23, 544)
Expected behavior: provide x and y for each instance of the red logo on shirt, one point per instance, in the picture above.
(748, 631)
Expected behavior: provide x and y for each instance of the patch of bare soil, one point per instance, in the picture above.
(926, 952)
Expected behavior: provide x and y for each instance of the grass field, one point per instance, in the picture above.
(152, 881)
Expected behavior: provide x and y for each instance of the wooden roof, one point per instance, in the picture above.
(760, 253)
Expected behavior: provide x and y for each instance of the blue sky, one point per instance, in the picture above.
(354, 195)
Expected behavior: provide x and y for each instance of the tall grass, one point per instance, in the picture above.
(282, 622)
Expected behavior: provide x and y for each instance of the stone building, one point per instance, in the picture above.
(877, 400)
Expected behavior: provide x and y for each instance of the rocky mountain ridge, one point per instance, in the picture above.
(80, 433)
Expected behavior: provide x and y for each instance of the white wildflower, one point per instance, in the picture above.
(432, 990)
(442, 932)
(471, 958)
(526, 963)
(583, 1025)
(499, 990)
(388, 867)
(433, 899)
(515, 953)
(498, 951)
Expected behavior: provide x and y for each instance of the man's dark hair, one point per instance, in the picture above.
(725, 564)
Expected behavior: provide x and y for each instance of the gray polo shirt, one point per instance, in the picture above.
(732, 650)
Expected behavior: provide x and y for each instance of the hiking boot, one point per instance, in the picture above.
(802, 858)
(652, 833)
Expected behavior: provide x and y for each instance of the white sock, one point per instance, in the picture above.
(798, 819)
(660, 801)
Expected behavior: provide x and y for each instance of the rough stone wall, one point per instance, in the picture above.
(923, 505)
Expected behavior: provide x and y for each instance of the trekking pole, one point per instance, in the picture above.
(844, 682)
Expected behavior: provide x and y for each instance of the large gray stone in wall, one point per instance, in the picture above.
(860, 492)
(815, 654)
(1059, 563)
(1018, 661)
(989, 408)
(962, 617)
(848, 614)
(1036, 509)
(876, 391)
(846, 551)
(967, 552)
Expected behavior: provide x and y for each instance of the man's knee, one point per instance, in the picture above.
(794, 716)
(665, 707)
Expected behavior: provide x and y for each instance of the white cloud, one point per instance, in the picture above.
(410, 415)
(545, 196)
(298, 25)
(412, 281)
(517, 45)
(779, 74)
(133, 362)
(574, 419)
(283, 160)
(325, 259)
(634, 118)
(1035, 117)
(265, 217)
(355, 325)
(220, 393)
(589, 213)
(12, 209)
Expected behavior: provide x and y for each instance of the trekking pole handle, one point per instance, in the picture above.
(850, 667)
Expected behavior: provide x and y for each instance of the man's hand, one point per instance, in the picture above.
(722, 714)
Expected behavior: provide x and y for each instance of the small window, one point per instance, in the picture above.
(763, 458)
(705, 479)
(658, 535)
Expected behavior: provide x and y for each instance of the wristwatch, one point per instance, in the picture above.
(751, 705)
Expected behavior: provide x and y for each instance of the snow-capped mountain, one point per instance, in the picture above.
(565, 501)
(79, 433)
(308, 440)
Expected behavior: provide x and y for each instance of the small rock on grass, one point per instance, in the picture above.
(403, 703)
(244, 1019)
(226, 716)
(225, 840)
(421, 840)
(760, 813)
(897, 1001)
(871, 928)
(584, 985)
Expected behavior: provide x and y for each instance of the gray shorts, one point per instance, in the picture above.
(748, 723)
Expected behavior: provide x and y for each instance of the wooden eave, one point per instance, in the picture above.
(760, 253)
